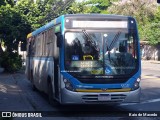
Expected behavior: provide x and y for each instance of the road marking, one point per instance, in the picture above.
(150, 77)
(150, 68)
(144, 102)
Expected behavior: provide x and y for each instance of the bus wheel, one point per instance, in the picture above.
(32, 82)
(50, 94)
(34, 87)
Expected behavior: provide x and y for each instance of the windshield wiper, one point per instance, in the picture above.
(112, 44)
(90, 40)
(114, 40)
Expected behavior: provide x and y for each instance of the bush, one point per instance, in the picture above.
(150, 33)
(11, 62)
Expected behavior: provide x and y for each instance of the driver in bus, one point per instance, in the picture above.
(87, 52)
(77, 48)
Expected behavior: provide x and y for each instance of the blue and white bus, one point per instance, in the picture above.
(86, 59)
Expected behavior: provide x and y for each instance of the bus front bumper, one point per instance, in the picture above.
(70, 97)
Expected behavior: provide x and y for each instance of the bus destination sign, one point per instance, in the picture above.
(102, 24)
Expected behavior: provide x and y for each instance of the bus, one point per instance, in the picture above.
(86, 59)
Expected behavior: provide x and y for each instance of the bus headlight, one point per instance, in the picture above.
(136, 84)
(68, 85)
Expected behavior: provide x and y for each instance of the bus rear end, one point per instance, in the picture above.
(100, 60)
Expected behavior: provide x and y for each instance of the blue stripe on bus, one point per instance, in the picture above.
(63, 43)
(59, 19)
(129, 83)
(43, 28)
(48, 25)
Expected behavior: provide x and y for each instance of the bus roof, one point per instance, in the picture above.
(60, 18)
(46, 26)
(96, 15)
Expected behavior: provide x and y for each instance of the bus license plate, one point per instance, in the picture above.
(104, 97)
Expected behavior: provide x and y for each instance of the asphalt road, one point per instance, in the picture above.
(16, 95)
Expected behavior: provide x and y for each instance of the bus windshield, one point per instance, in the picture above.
(100, 53)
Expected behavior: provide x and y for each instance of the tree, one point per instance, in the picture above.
(5, 2)
(2, 2)
(29, 9)
(42, 11)
(151, 30)
(89, 6)
(151, 33)
(17, 20)
(13, 27)
(77, 7)
(56, 8)
(156, 17)
(146, 13)
(142, 10)
(99, 6)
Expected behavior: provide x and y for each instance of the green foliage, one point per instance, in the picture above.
(89, 6)
(151, 33)
(156, 17)
(13, 27)
(77, 7)
(11, 61)
(2, 2)
(147, 14)
(98, 6)
(5, 2)
(17, 20)
(42, 11)
(140, 9)
(29, 10)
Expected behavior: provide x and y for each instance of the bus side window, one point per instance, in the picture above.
(55, 48)
(31, 46)
(43, 44)
(131, 43)
(46, 43)
(49, 38)
(38, 45)
(59, 39)
(52, 38)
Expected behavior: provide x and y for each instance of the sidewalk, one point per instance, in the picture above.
(151, 61)
(11, 96)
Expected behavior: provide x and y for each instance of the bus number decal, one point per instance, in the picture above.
(125, 85)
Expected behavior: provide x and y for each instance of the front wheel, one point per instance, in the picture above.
(51, 95)
(32, 82)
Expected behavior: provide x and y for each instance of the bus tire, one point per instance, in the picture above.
(34, 87)
(51, 99)
(32, 82)
(50, 93)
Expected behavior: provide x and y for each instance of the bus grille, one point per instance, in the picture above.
(115, 98)
(103, 80)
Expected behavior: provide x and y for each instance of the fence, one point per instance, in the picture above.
(149, 52)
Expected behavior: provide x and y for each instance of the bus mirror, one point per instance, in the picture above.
(59, 40)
